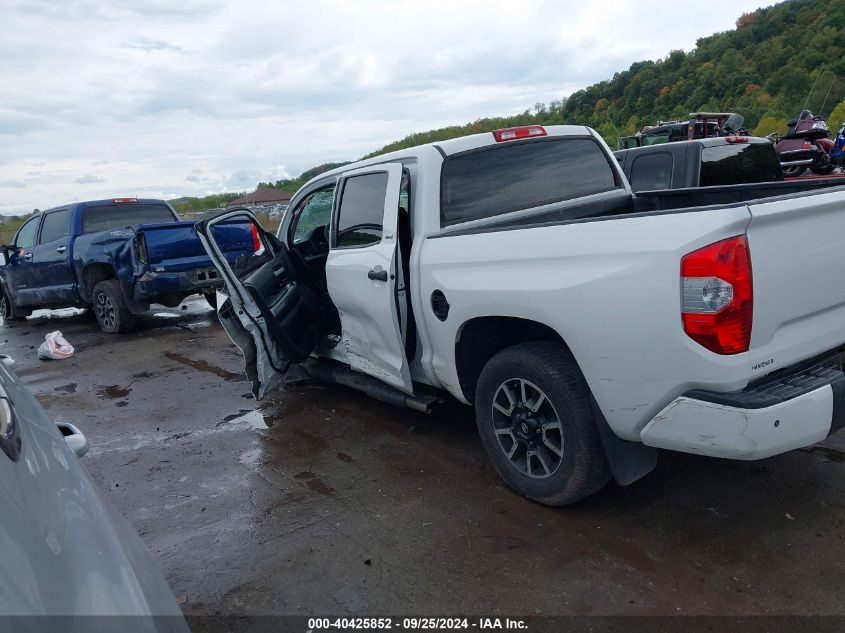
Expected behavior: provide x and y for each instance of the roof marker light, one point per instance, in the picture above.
(514, 133)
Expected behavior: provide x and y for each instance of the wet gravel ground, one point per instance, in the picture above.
(321, 501)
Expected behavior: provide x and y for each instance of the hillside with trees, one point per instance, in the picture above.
(776, 59)
(765, 69)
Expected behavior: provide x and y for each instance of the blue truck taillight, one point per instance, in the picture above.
(141, 249)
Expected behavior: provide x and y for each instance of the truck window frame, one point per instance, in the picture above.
(610, 159)
(337, 208)
(37, 221)
(300, 207)
(174, 217)
(40, 238)
(653, 156)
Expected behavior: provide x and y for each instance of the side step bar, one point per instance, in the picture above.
(327, 371)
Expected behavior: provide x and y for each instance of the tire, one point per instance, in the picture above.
(110, 308)
(543, 368)
(8, 309)
(822, 166)
(211, 299)
(793, 172)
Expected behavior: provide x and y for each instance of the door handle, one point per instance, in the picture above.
(61, 249)
(377, 274)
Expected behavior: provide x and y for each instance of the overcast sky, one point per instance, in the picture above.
(163, 98)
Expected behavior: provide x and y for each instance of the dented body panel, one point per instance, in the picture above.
(602, 273)
(159, 262)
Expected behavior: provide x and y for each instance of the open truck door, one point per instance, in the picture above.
(273, 314)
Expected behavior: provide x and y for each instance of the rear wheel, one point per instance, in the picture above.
(110, 308)
(533, 413)
(794, 171)
(822, 165)
(8, 309)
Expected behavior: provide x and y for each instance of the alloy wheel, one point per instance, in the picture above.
(105, 310)
(528, 428)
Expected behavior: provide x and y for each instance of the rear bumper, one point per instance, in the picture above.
(152, 284)
(790, 410)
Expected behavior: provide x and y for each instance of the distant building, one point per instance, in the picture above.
(262, 198)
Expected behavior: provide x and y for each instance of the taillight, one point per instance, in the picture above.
(124, 200)
(257, 246)
(141, 246)
(717, 297)
(513, 133)
(736, 139)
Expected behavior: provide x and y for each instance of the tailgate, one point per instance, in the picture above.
(797, 247)
(175, 247)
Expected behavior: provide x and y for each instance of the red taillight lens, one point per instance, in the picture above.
(141, 246)
(124, 200)
(257, 246)
(513, 133)
(717, 297)
(736, 139)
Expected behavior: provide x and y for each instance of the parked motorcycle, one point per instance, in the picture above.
(806, 145)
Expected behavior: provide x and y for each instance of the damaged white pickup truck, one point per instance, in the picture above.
(587, 326)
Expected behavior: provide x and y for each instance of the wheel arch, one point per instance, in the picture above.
(93, 274)
(480, 338)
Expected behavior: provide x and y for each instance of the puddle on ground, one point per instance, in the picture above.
(114, 392)
(253, 418)
(830, 454)
(169, 315)
(201, 365)
(70, 388)
(250, 457)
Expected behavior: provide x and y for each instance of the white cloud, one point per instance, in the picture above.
(209, 95)
(89, 179)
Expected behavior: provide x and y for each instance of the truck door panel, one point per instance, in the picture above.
(362, 273)
(52, 272)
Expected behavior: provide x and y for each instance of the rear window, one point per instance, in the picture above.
(734, 164)
(652, 171)
(505, 178)
(117, 216)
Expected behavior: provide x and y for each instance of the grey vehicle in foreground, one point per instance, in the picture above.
(63, 551)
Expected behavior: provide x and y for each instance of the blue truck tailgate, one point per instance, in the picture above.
(175, 247)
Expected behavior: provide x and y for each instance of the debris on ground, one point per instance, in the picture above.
(55, 347)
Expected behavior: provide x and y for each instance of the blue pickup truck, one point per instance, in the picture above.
(116, 256)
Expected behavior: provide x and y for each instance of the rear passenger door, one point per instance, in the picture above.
(51, 268)
(362, 272)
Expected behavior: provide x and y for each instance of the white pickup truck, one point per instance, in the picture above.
(588, 326)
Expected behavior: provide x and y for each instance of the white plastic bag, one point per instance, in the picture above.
(55, 346)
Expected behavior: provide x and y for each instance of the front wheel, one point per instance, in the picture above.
(533, 412)
(110, 308)
(8, 310)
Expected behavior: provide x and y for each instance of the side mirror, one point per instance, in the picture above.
(75, 439)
